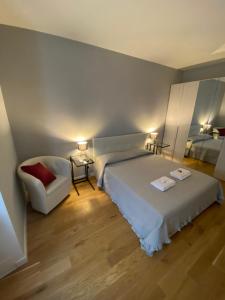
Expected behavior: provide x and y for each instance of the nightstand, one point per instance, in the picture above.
(161, 146)
(154, 147)
(81, 161)
(151, 147)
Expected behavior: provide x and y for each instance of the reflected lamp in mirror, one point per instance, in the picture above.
(82, 145)
(215, 133)
(205, 128)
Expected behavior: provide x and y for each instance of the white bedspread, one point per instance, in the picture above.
(153, 215)
(207, 150)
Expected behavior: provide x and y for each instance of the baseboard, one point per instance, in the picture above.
(6, 267)
(21, 261)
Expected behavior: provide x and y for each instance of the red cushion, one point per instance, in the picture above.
(40, 172)
(221, 131)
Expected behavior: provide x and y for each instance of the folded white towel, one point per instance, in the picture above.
(163, 183)
(180, 173)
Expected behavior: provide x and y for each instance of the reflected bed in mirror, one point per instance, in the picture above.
(204, 147)
(206, 135)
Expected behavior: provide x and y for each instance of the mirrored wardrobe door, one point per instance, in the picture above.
(207, 130)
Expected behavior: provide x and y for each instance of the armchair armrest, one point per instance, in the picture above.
(33, 185)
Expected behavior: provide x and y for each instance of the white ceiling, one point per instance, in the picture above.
(176, 33)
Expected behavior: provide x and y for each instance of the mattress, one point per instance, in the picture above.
(154, 215)
(208, 150)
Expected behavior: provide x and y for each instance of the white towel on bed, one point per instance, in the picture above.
(163, 183)
(180, 173)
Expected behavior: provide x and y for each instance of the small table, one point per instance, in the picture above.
(81, 161)
(153, 147)
(161, 146)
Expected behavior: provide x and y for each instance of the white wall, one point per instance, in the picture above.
(220, 118)
(9, 187)
(204, 71)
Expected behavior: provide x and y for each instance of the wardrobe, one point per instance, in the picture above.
(181, 113)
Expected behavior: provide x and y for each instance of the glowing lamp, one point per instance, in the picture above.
(153, 135)
(206, 128)
(82, 145)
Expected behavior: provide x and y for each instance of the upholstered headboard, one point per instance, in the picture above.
(118, 143)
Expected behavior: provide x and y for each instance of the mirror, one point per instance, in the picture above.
(207, 130)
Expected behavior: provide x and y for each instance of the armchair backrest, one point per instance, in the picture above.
(57, 165)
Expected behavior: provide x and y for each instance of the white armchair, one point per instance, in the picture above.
(42, 198)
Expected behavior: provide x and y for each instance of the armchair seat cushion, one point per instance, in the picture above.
(56, 184)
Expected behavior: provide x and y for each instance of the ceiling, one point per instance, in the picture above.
(175, 33)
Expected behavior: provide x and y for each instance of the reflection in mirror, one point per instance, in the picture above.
(207, 128)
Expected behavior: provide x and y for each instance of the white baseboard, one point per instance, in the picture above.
(21, 261)
(9, 265)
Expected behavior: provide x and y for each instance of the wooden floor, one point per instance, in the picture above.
(85, 249)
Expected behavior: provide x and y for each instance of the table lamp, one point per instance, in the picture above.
(206, 128)
(82, 146)
(153, 136)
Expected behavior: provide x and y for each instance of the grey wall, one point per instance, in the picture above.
(208, 102)
(8, 181)
(204, 72)
(57, 90)
(220, 118)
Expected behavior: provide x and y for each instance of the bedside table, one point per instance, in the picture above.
(161, 146)
(151, 147)
(154, 147)
(81, 161)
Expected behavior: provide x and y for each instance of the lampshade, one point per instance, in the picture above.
(153, 135)
(206, 127)
(82, 146)
(148, 140)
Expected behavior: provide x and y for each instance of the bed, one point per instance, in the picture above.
(124, 170)
(205, 149)
(203, 146)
